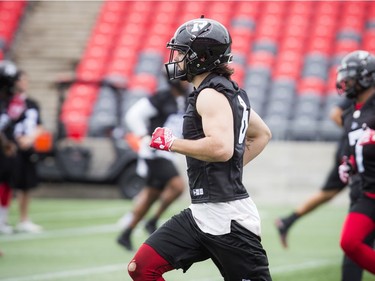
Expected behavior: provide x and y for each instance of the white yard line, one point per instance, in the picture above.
(66, 232)
(70, 273)
(301, 266)
(75, 214)
(122, 267)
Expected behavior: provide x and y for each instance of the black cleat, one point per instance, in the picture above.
(150, 226)
(124, 240)
(283, 231)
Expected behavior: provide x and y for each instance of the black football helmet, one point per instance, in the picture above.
(205, 44)
(9, 74)
(355, 74)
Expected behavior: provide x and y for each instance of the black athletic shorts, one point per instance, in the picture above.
(355, 187)
(364, 205)
(238, 255)
(6, 168)
(25, 172)
(160, 172)
(333, 180)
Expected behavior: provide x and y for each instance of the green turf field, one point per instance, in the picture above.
(79, 245)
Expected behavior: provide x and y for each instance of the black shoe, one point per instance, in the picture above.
(124, 240)
(283, 231)
(151, 226)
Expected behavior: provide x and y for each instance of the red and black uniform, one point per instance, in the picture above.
(361, 219)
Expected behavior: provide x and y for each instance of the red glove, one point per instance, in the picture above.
(368, 137)
(347, 168)
(162, 138)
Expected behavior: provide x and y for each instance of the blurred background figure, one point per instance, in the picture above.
(332, 187)
(20, 125)
(26, 131)
(8, 77)
(163, 182)
(356, 81)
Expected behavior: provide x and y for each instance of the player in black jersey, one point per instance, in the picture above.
(163, 182)
(20, 123)
(356, 80)
(8, 77)
(331, 188)
(222, 133)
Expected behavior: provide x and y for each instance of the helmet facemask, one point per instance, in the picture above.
(350, 83)
(177, 69)
(346, 83)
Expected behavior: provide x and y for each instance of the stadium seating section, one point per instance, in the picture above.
(10, 15)
(285, 56)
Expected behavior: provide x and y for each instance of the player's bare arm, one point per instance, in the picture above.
(217, 120)
(257, 136)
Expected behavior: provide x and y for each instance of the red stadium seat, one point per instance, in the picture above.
(76, 125)
(145, 81)
(346, 46)
(248, 8)
(352, 22)
(293, 44)
(311, 85)
(319, 45)
(83, 90)
(171, 7)
(261, 58)
(355, 9)
(10, 15)
(286, 69)
(368, 42)
(302, 8)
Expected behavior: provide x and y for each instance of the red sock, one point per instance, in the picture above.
(356, 227)
(5, 195)
(148, 265)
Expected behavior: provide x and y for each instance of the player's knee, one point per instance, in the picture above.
(147, 265)
(143, 273)
(132, 270)
(349, 245)
(178, 185)
(136, 272)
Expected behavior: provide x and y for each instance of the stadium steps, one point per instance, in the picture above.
(50, 41)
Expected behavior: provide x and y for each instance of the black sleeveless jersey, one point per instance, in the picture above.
(218, 181)
(364, 155)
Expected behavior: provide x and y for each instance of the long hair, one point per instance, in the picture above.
(224, 70)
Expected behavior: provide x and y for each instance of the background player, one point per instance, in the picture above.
(356, 80)
(332, 187)
(26, 130)
(163, 182)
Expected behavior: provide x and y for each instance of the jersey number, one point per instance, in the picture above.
(244, 121)
(354, 136)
